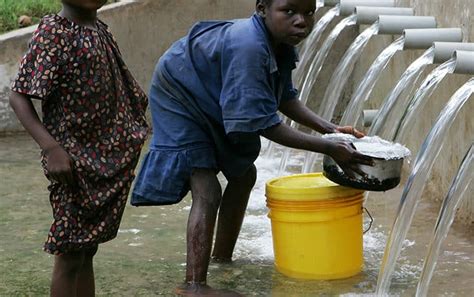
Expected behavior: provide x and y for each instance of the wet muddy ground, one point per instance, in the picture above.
(148, 256)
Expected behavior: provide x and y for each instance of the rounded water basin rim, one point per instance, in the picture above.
(373, 146)
(306, 187)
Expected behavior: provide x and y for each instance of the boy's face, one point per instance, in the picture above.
(86, 4)
(289, 21)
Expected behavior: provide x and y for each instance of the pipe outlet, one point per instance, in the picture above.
(331, 2)
(424, 38)
(464, 62)
(395, 24)
(348, 6)
(443, 51)
(367, 15)
(368, 116)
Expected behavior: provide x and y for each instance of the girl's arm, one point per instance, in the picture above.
(345, 155)
(301, 114)
(58, 161)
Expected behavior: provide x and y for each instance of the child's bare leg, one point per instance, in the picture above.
(231, 214)
(206, 192)
(65, 273)
(85, 280)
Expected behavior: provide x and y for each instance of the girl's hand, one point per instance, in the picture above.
(59, 165)
(348, 158)
(350, 130)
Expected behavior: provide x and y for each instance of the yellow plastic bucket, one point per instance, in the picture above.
(316, 227)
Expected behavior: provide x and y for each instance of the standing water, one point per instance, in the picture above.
(446, 217)
(314, 70)
(423, 93)
(148, 256)
(363, 91)
(407, 80)
(410, 197)
(338, 81)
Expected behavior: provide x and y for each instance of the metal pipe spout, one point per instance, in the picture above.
(394, 25)
(367, 15)
(464, 62)
(443, 51)
(348, 6)
(424, 38)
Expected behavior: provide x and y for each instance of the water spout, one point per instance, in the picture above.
(362, 93)
(446, 215)
(419, 99)
(390, 24)
(387, 119)
(367, 15)
(348, 6)
(424, 38)
(428, 153)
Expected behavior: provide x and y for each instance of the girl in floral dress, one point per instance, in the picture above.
(92, 131)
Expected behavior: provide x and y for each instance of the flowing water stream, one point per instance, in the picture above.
(363, 91)
(418, 101)
(383, 120)
(446, 215)
(416, 183)
(339, 79)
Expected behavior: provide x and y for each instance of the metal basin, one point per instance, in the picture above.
(383, 176)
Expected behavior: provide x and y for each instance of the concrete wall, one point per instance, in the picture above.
(453, 13)
(144, 29)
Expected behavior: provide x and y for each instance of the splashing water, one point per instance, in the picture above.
(424, 92)
(363, 91)
(314, 70)
(338, 81)
(410, 197)
(445, 219)
(407, 80)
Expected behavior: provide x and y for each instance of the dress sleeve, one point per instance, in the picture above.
(40, 68)
(247, 98)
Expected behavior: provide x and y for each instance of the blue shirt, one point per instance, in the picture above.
(229, 67)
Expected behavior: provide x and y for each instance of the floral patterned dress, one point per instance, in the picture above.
(96, 110)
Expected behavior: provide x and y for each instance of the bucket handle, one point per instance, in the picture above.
(371, 220)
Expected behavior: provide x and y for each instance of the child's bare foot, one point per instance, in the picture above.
(196, 289)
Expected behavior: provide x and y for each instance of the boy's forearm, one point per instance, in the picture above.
(287, 136)
(26, 114)
(301, 114)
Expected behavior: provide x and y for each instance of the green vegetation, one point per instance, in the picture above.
(11, 10)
